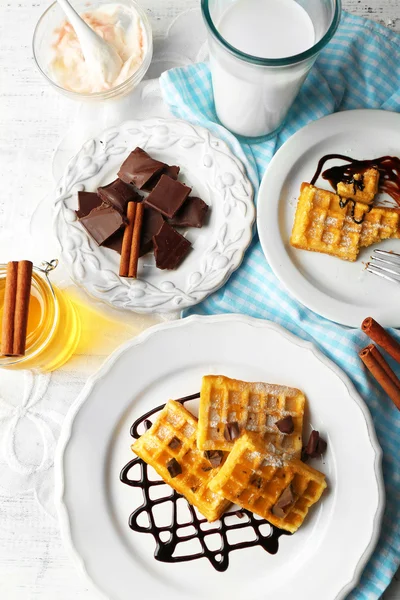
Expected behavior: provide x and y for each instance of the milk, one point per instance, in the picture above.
(252, 100)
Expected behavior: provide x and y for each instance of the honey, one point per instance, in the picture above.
(54, 326)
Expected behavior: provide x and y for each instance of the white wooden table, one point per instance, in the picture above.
(33, 119)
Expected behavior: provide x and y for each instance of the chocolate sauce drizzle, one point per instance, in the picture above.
(171, 537)
(388, 167)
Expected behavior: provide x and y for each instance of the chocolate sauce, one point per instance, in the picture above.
(388, 167)
(169, 536)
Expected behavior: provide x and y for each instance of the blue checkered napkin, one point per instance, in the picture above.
(360, 68)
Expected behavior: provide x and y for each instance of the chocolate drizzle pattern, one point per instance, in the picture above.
(388, 167)
(171, 538)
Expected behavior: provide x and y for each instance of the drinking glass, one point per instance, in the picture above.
(252, 94)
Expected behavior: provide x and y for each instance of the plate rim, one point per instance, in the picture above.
(232, 265)
(67, 427)
(332, 314)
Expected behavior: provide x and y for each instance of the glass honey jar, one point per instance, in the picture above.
(54, 326)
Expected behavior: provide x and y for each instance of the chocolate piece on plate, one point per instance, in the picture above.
(168, 196)
(192, 213)
(118, 193)
(170, 171)
(170, 247)
(87, 202)
(315, 446)
(152, 223)
(139, 168)
(285, 425)
(232, 431)
(115, 241)
(174, 468)
(102, 222)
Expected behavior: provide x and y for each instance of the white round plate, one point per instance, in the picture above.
(338, 290)
(214, 173)
(324, 559)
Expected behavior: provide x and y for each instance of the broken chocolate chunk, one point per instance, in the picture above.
(170, 247)
(139, 168)
(285, 425)
(87, 202)
(174, 443)
(115, 241)
(312, 443)
(285, 500)
(170, 171)
(192, 213)
(168, 196)
(214, 456)
(231, 431)
(315, 446)
(152, 223)
(174, 468)
(102, 222)
(118, 194)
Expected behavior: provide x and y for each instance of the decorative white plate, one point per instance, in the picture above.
(214, 173)
(324, 559)
(338, 290)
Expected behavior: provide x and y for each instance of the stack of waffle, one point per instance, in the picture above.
(342, 223)
(245, 448)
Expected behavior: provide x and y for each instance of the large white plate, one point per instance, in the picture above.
(208, 166)
(341, 291)
(324, 559)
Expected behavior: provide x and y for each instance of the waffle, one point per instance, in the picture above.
(256, 479)
(254, 407)
(369, 182)
(173, 436)
(321, 225)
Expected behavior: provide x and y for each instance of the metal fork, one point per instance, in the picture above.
(385, 264)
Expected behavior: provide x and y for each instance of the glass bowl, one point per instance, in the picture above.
(43, 38)
(54, 326)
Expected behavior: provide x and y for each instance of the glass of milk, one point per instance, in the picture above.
(260, 53)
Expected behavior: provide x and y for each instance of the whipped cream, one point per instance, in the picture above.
(118, 25)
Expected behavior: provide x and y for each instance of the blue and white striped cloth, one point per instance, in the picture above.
(360, 68)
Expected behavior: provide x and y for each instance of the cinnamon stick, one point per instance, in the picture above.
(131, 240)
(381, 337)
(135, 247)
(16, 308)
(127, 240)
(384, 375)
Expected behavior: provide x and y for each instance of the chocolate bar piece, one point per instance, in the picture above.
(170, 171)
(115, 241)
(152, 223)
(139, 168)
(118, 194)
(87, 202)
(170, 247)
(168, 196)
(102, 222)
(192, 213)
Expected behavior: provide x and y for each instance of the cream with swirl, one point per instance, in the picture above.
(118, 25)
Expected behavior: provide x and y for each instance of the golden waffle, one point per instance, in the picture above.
(321, 225)
(369, 183)
(173, 436)
(254, 407)
(255, 479)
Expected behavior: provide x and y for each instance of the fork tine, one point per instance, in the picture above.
(382, 272)
(377, 259)
(386, 253)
